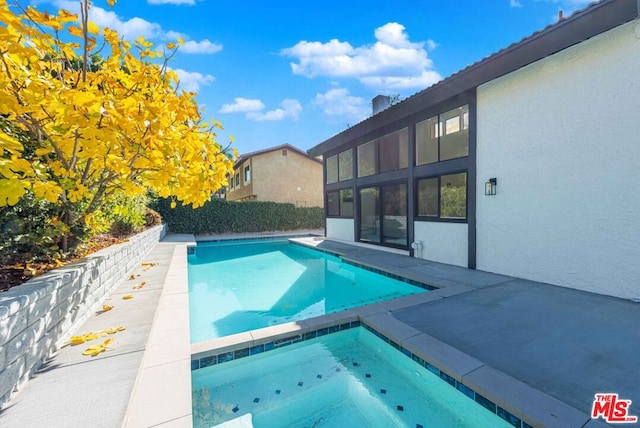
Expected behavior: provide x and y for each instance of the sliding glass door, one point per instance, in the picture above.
(383, 214)
(370, 214)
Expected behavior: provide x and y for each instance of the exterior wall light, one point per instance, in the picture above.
(490, 187)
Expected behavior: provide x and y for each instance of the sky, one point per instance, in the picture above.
(297, 72)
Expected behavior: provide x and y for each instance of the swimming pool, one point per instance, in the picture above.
(238, 286)
(348, 378)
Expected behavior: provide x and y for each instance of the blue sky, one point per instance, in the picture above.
(297, 72)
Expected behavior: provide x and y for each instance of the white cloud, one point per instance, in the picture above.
(337, 103)
(176, 2)
(392, 62)
(290, 109)
(132, 28)
(129, 29)
(515, 3)
(191, 81)
(243, 105)
(201, 47)
(252, 109)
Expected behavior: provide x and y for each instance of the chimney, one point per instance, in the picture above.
(380, 102)
(560, 15)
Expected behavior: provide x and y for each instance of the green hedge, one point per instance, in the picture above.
(222, 216)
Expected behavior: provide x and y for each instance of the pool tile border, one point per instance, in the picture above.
(258, 239)
(467, 391)
(247, 351)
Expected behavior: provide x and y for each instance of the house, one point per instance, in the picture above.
(525, 163)
(279, 174)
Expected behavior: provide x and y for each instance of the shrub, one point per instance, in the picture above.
(152, 218)
(221, 216)
(30, 231)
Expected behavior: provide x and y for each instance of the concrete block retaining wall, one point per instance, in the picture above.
(39, 315)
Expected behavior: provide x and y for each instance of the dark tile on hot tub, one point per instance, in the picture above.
(256, 349)
(241, 353)
(222, 358)
(486, 403)
(507, 416)
(208, 361)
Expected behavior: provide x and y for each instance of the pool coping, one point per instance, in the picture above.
(162, 393)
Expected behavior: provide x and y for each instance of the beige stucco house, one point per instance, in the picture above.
(279, 174)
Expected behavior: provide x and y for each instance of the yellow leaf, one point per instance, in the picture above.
(75, 31)
(180, 41)
(173, 204)
(48, 190)
(11, 191)
(93, 28)
(106, 308)
(142, 284)
(66, 16)
(111, 2)
(94, 350)
(76, 340)
(127, 297)
(171, 45)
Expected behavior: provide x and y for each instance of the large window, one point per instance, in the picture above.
(388, 153)
(443, 197)
(247, 174)
(443, 137)
(340, 203)
(339, 167)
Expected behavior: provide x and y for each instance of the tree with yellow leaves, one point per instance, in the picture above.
(77, 130)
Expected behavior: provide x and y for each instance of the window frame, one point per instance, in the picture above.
(440, 127)
(340, 200)
(336, 157)
(439, 218)
(247, 169)
(237, 176)
(377, 153)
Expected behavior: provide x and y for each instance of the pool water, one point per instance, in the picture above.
(236, 287)
(346, 379)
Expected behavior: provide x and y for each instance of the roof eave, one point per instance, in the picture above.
(582, 25)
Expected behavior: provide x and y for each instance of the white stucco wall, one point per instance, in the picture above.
(562, 137)
(340, 228)
(443, 242)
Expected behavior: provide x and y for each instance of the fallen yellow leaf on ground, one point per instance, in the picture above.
(114, 330)
(94, 350)
(132, 276)
(77, 340)
(142, 284)
(106, 308)
(127, 297)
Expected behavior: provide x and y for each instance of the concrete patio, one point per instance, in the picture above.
(548, 348)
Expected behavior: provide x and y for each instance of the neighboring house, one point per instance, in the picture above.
(279, 174)
(549, 123)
